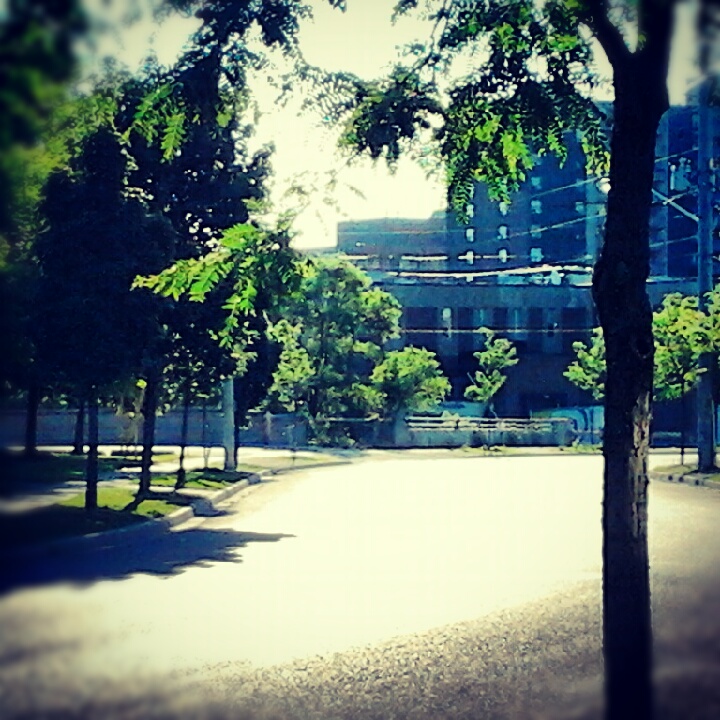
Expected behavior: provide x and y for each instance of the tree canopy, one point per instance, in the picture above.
(497, 355)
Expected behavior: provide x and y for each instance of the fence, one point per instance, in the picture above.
(56, 427)
(205, 428)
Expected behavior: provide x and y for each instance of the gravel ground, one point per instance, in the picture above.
(538, 661)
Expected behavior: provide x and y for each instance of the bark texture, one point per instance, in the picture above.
(150, 405)
(626, 318)
(181, 474)
(31, 417)
(79, 432)
(91, 465)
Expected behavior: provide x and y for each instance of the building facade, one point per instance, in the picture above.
(524, 268)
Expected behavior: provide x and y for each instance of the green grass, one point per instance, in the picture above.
(125, 458)
(18, 472)
(121, 499)
(56, 522)
(70, 519)
(208, 479)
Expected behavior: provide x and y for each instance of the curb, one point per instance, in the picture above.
(156, 524)
(693, 479)
(177, 517)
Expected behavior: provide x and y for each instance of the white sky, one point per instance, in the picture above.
(363, 41)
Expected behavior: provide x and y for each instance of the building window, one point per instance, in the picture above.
(502, 232)
(536, 232)
(536, 254)
(535, 324)
(503, 255)
(500, 319)
(536, 181)
(536, 207)
(470, 210)
(447, 320)
(470, 234)
(580, 207)
(504, 207)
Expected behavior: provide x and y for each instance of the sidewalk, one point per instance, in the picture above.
(250, 460)
(39, 508)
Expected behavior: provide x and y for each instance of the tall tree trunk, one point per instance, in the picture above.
(626, 318)
(79, 433)
(31, 419)
(206, 449)
(181, 476)
(150, 405)
(91, 464)
(683, 418)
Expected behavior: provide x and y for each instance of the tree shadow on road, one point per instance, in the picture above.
(155, 551)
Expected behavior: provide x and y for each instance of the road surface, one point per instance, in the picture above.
(405, 587)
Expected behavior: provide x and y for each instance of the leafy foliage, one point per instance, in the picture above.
(589, 370)
(678, 332)
(529, 86)
(96, 241)
(36, 61)
(410, 379)
(332, 333)
(497, 355)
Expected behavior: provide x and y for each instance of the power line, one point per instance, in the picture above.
(510, 330)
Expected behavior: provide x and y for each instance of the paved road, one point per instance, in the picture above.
(406, 588)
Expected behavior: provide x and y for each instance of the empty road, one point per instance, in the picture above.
(399, 586)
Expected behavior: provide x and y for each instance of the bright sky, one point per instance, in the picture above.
(363, 41)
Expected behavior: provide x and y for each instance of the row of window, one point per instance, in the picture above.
(536, 207)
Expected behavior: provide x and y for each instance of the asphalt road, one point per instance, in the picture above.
(390, 588)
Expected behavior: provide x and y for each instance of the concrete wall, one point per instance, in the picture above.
(426, 432)
(56, 427)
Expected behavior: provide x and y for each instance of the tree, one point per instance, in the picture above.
(333, 334)
(588, 372)
(91, 330)
(497, 355)
(678, 332)
(410, 380)
(531, 84)
(36, 62)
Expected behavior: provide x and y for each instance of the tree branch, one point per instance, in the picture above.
(655, 25)
(596, 17)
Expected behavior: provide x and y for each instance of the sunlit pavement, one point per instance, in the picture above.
(335, 560)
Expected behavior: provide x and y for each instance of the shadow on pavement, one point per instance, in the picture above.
(158, 551)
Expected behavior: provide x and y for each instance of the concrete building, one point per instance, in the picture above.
(524, 268)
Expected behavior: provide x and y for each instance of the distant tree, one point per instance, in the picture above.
(291, 380)
(36, 62)
(497, 355)
(589, 370)
(335, 327)
(678, 332)
(493, 84)
(91, 330)
(410, 380)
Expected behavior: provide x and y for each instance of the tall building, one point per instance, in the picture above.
(524, 269)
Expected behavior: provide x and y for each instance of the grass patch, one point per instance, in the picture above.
(121, 499)
(116, 509)
(209, 479)
(18, 473)
(125, 458)
(57, 522)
